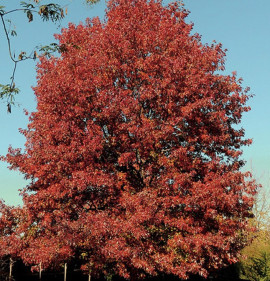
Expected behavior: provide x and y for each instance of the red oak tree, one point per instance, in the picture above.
(134, 152)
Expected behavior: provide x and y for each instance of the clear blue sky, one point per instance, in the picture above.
(243, 27)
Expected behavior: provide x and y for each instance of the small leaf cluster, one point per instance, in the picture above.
(49, 12)
(8, 92)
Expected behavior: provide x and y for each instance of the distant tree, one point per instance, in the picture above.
(22, 238)
(255, 263)
(12, 220)
(48, 12)
(133, 154)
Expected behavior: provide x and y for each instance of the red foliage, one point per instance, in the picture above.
(133, 152)
(12, 225)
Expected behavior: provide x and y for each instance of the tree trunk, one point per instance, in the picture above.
(65, 272)
(40, 269)
(89, 275)
(10, 268)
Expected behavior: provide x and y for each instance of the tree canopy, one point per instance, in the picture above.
(134, 152)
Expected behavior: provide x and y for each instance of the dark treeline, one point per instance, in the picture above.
(21, 272)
